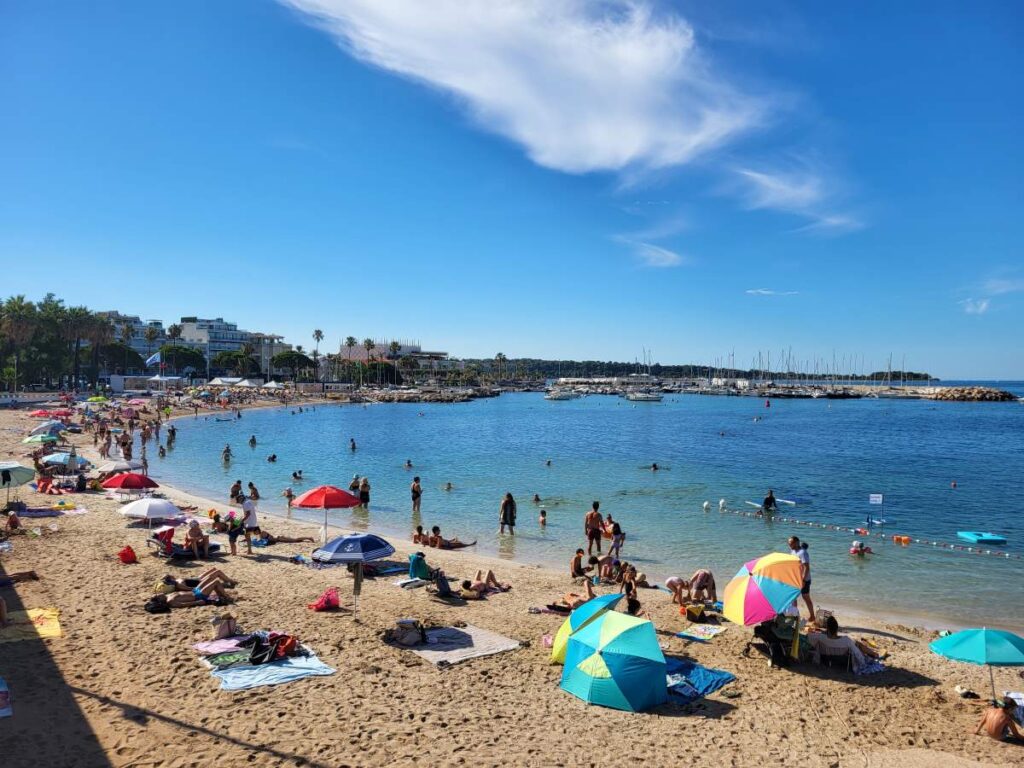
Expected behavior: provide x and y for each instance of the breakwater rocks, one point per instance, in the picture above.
(973, 394)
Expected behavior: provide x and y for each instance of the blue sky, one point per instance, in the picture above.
(546, 179)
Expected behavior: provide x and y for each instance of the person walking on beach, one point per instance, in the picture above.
(416, 491)
(364, 493)
(250, 522)
(800, 551)
(507, 515)
(592, 525)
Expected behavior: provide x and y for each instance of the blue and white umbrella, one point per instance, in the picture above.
(49, 428)
(354, 548)
(65, 459)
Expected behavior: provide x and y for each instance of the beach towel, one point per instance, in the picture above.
(452, 645)
(33, 624)
(211, 647)
(701, 632)
(275, 673)
(411, 583)
(688, 681)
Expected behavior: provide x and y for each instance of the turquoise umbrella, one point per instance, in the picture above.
(13, 474)
(40, 439)
(991, 647)
(581, 616)
(615, 661)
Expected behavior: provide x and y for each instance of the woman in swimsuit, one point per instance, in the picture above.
(416, 491)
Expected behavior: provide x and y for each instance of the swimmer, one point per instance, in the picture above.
(543, 518)
(352, 444)
(408, 464)
(654, 467)
(548, 463)
(297, 474)
(272, 458)
(536, 498)
(252, 441)
(448, 486)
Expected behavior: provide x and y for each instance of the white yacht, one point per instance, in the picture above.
(644, 396)
(561, 394)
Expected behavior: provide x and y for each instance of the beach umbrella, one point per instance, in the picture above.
(49, 426)
(762, 589)
(128, 481)
(13, 474)
(990, 647)
(40, 439)
(96, 399)
(62, 412)
(136, 401)
(121, 465)
(354, 548)
(39, 414)
(52, 431)
(151, 509)
(578, 619)
(325, 497)
(615, 661)
(65, 459)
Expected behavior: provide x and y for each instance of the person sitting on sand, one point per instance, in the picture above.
(13, 522)
(633, 608)
(419, 537)
(483, 584)
(437, 540)
(832, 643)
(641, 581)
(576, 569)
(998, 722)
(195, 538)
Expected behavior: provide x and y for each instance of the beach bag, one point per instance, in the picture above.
(224, 626)
(328, 600)
(408, 632)
(694, 613)
(284, 645)
(127, 556)
(441, 583)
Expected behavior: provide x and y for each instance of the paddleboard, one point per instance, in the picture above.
(981, 537)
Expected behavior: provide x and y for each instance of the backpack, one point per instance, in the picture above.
(408, 632)
(441, 584)
(326, 601)
(127, 556)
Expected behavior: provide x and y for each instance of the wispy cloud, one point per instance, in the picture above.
(769, 292)
(650, 254)
(581, 86)
(997, 286)
(802, 190)
(975, 306)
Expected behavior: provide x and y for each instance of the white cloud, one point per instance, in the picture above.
(801, 190)
(582, 86)
(975, 306)
(651, 255)
(997, 286)
(770, 292)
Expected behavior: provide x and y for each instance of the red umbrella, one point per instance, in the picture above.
(326, 497)
(62, 412)
(129, 481)
(40, 414)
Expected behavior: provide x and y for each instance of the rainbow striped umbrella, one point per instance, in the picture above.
(762, 589)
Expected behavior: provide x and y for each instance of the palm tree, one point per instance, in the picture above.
(151, 334)
(318, 336)
(99, 332)
(499, 359)
(125, 335)
(368, 345)
(19, 323)
(77, 321)
(350, 342)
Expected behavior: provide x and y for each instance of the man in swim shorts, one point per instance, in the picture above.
(592, 528)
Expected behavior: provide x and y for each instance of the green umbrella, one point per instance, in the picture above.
(40, 439)
(13, 474)
(990, 647)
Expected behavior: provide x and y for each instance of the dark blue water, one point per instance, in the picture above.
(828, 456)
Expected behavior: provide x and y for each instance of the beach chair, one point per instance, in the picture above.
(834, 653)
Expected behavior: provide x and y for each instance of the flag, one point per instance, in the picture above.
(154, 358)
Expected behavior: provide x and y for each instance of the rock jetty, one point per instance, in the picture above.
(973, 394)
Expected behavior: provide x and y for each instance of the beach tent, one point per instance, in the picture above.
(40, 439)
(49, 427)
(615, 661)
(273, 385)
(990, 647)
(578, 619)
(762, 589)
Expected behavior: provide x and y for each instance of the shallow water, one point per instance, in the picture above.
(826, 455)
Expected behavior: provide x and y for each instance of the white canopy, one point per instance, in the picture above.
(151, 509)
(273, 385)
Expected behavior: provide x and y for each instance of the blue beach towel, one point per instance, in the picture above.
(275, 673)
(688, 681)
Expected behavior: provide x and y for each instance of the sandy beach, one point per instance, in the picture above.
(122, 687)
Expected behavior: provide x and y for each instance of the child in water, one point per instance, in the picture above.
(543, 518)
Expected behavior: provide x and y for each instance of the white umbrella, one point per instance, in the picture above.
(120, 466)
(151, 509)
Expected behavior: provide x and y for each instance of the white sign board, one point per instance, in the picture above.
(875, 498)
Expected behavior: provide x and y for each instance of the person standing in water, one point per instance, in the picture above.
(507, 515)
(799, 550)
(592, 528)
(416, 491)
(769, 504)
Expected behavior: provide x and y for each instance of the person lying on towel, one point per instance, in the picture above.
(482, 585)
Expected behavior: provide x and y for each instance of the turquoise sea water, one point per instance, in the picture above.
(826, 455)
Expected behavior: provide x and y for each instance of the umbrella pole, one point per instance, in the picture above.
(323, 533)
(992, 680)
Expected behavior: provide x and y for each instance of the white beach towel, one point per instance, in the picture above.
(451, 645)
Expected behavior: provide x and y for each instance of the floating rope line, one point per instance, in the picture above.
(899, 539)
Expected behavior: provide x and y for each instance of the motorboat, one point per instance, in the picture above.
(561, 394)
(642, 396)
